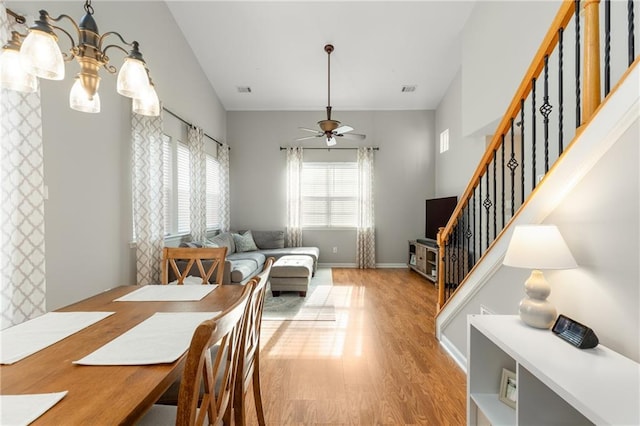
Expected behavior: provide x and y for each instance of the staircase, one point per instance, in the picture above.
(553, 135)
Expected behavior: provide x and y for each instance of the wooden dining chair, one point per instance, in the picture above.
(184, 261)
(249, 368)
(198, 400)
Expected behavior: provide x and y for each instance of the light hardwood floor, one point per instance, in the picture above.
(378, 363)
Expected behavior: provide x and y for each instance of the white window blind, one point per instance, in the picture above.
(184, 188)
(213, 192)
(329, 195)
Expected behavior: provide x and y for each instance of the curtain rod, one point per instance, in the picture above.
(190, 124)
(282, 148)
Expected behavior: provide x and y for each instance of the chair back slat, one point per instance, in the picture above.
(180, 260)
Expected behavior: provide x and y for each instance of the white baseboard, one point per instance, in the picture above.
(353, 265)
(454, 353)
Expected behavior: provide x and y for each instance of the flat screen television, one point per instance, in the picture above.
(438, 211)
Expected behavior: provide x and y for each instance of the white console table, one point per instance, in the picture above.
(557, 383)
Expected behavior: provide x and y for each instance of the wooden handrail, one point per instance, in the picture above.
(591, 94)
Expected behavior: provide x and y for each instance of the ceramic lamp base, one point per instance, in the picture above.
(535, 310)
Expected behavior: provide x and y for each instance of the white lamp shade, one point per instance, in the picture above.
(538, 247)
(133, 80)
(149, 104)
(40, 55)
(331, 141)
(13, 76)
(79, 99)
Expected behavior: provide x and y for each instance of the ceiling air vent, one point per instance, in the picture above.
(409, 88)
(244, 89)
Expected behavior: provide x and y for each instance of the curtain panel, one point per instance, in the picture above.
(225, 206)
(294, 197)
(22, 257)
(148, 195)
(198, 183)
(365, 233)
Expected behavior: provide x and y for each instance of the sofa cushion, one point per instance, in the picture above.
(224, 239)
(268, 239)
(244, 242)
(245, 265)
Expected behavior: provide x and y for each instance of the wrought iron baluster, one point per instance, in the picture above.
(522, 151)
(459, 266)
(502, 189)
(513, 165)
(545, 110)
(468, 235)
(495, 196)
(607, 47)
(474, 226)
(560, 93)
(479, 217)
(533, 133)
(487, 205)
(577, 25)
(631, 36)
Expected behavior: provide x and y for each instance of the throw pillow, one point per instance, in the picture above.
(244, 242)
(223, 240)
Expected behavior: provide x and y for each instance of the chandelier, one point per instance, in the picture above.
(26, 57)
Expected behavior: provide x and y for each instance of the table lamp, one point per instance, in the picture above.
(538, 247)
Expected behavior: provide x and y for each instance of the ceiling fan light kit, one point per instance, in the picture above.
(330, 129)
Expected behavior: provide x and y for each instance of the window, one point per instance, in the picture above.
(329, 195)
(444, 141)
(213, 192)
(177, 188)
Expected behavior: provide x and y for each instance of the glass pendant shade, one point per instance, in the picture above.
(149, 104)
(13, 76)
(79, 99)
(40, 56)
(133, 80)
(331, 141)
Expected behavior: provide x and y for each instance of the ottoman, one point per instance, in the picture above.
(291, 273)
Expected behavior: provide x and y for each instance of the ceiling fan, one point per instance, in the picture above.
(329, 128)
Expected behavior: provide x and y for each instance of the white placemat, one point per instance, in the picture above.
(18, 410)
(168, 293)
(161, 338)
(24, 339)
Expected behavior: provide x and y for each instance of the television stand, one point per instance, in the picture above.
(423, 258)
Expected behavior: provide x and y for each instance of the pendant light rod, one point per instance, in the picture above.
(328, 48)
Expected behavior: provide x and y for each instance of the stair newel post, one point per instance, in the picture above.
(591, 77)
(441, 266)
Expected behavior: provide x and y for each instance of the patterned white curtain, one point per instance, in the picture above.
(225, 206)
(22, 259)
(148, 201)
(294, 198)
(365, 234)
(198, 183)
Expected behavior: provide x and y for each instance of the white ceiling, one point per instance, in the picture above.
(277, 49)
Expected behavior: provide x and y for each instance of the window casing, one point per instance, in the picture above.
(329, 195)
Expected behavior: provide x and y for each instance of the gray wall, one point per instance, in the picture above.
(87, 157)
(404, 174)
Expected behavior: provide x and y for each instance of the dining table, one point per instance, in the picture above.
(104, 394)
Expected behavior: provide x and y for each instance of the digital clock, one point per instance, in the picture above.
(577, 334)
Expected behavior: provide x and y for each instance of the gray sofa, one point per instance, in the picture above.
(245, 260)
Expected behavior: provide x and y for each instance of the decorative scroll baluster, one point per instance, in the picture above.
(560, 95)
(545, 110)
(487, 205)
(577, 25)
(459, 267)
(513, 165)
(468, 235)
(607, 47)
(502, 188)
(495, 197)
(631, 36)
(521, 151)
(533, 133)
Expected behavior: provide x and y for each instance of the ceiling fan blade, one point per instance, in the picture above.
(308, 137)
(343, 129)
(309, 130)
(352, 136)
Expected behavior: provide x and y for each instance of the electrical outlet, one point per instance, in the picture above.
(335, 249)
